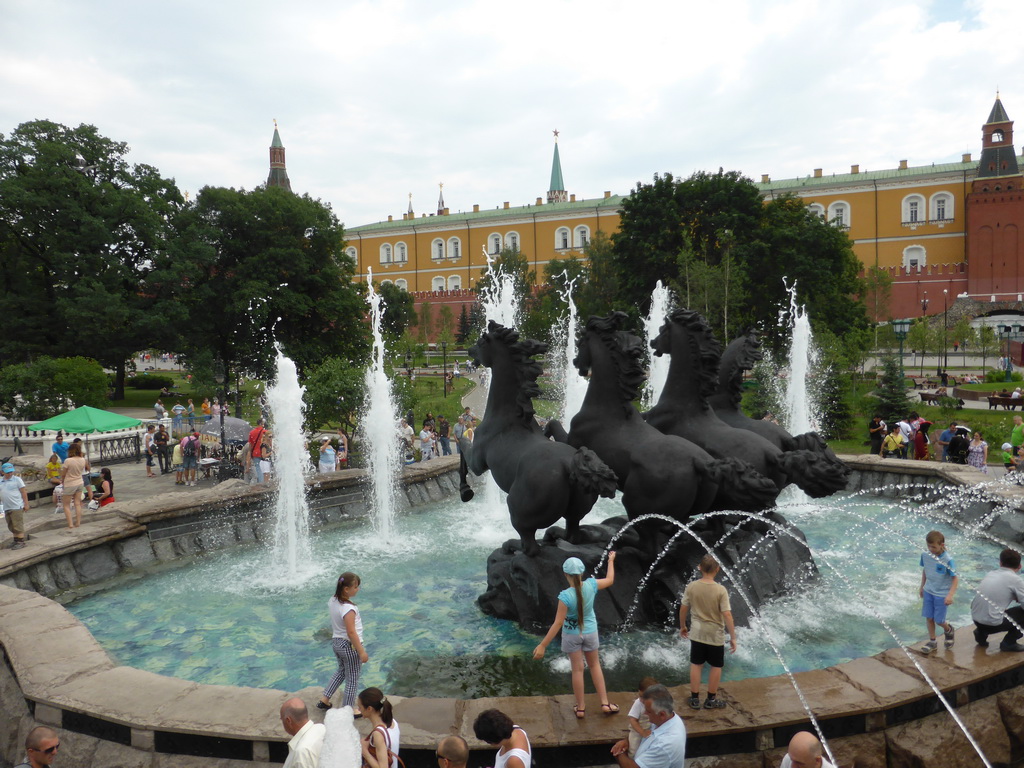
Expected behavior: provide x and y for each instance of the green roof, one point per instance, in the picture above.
(277, 139)
(611, 204)
(557, 185)
(889, 174)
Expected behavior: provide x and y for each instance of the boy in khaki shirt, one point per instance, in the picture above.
(712, 615)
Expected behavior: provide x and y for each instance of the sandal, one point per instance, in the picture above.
(610, 709)
(581, 712)
(321, 705)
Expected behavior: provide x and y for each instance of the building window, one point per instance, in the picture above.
(437, 284)
(437, 249)
(562, 239)
(913, 206)
(403, 284)
(385, 282)
(997, 136)
(512, 241)
(495, 244)
(839, 214)
(455, 283)
(454, 250)
(580, 237)
(913, 209)
(401, 253)
(817, 209)
(914, 258)
(351, 253)
(385, 254)
(942, 206)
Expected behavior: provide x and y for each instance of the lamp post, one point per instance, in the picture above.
(901, 328)
(222, 381)
(944, 358)
(444, 367)
(1005, 329)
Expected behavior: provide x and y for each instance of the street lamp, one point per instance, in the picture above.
(221, 379)
(901, 328)
(1007, 330)
(944, 358)
(444, 367)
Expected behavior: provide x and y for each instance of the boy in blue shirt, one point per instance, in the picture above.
(938, 586)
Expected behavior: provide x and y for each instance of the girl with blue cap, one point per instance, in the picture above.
(576, 619)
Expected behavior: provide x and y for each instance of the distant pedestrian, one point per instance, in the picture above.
(60, 447)
(990, 608)
(71, 480)
(443, 427)
(106, 492)
(1017, 434)
(13, 503)
(977, 453)
(944, 438)
(162, 441)
(190, 414)
(876, 433)
(710, 620)
(892, 446)
(328, 457)
(939, 581)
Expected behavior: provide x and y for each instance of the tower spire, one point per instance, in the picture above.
(278, 173)
(556, 192)
(440, 199)
(409, 212)
(998, 157)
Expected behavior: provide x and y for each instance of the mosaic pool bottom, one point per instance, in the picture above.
(211, 620)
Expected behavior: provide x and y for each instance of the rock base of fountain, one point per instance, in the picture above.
(525, 589)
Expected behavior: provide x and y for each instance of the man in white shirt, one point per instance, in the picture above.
(666, 746)
(307, 736)
(804, 752)
(991, 609)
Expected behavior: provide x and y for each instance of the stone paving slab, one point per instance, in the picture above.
(122, 695)
(223, 710)
(772, 701)
(886, 685)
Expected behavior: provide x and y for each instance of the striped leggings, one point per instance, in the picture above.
(349, 668)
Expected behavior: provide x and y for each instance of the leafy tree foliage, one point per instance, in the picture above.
(893, 403)
(425, 323)
(262, 266)
(399, 310)
(987, 344)
(335, 390)
(465, 329)
(446, 325)
(82, 238)
(47, 386)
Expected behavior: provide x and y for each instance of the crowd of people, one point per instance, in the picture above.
(910, 438)
(437, 436)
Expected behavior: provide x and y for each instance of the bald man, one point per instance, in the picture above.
(452, 752)
(307, 736)
(804, 752)
(41, 747)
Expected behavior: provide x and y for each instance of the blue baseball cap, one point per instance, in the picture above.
(8, 467)
(573, 566)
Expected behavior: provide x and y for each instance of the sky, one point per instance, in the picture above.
(376, 100)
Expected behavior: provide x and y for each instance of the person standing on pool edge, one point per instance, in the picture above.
(347, 640)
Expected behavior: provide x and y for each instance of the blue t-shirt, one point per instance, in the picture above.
(61, 449)
(939, 571)
(568, 596)
(945, 437)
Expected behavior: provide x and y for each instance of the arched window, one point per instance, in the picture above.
(351, 253)
(437, 283)
(580, 237)
(437, 249)
(913, 209)
(401, 253)
(385, 282)
(817, 209)
(402, 283)
(454, 248)
(839, 213)
(512, 241)
(455, 283)
(495, 240)
(915, 258)
(997, 136)
(941, 207)
(561, 239)
(385, 253)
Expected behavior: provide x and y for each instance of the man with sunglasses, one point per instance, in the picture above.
(41, 746)
(452, 752)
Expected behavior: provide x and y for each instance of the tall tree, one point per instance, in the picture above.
(265, 266)
(82, 235)
(399, 310)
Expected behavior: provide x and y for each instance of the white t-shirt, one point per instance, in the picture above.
(396, 734)
(787, 763)
(10, 493)
(338, 609)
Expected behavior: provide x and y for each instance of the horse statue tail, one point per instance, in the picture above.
(590, 474)
(818, 471)
(741, 487)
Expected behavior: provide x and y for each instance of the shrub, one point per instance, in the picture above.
(143, 381)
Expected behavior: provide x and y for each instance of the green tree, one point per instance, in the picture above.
(987, 344)
(921, 337)
(335, 390)
(425, 323)
(893, 403)
(47, 386)
(399, 310)
(465, 329)
(446, 325)
(82, 237)
(964, 334)
(877, 294)
(265, 266)
(599, 291)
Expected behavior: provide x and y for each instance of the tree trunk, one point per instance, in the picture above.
(119, 375)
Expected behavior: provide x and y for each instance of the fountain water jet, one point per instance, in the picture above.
(574, 386)
(661, 304)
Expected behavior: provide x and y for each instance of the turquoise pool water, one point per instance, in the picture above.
(210, 621)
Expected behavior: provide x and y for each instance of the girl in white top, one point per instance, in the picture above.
(496, 728)
(347, 641)
(383, 738)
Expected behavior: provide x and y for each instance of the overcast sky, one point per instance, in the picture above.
(379, 99)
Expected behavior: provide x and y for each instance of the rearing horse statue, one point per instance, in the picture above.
(657, 472)
(544, 480)
(742, 354)
(683, 410)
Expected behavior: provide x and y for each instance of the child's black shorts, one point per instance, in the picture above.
(701, 653)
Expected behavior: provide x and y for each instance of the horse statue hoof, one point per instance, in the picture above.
(466, 493)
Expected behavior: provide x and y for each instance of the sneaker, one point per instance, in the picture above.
(949, 637)
(979, 638)
(21, 545)
(929, 647)
(695, 702)
(1007, 647)
(715, 703)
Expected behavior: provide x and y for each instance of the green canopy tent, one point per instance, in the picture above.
(86, 420)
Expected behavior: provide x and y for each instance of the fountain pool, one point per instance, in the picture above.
(426, 637)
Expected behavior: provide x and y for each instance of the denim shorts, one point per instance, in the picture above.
(934, 607)
(572, 642)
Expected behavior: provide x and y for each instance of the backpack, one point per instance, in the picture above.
(188, 447)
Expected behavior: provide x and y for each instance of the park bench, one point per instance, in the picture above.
(1009, 403)
(919, 382)
(928, 397)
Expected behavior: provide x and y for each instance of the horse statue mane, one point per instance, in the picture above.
(706, 351)
(526, 368)
(742, 354)
(626, 351)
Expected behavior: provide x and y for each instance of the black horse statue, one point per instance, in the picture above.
(683, 410)
(544, 480)
(657, 472)
(742, 354)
